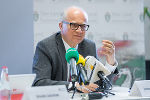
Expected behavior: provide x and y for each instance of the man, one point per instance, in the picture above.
(49, 62)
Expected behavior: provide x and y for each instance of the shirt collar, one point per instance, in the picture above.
(66, 45)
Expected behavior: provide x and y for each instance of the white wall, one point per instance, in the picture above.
(16, 35)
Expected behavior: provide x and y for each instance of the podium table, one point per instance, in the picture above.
(121, 93)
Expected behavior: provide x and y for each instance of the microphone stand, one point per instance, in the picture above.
(77, 78)
(73, 87)
(105, 84)
(82, 78)
(73, 78)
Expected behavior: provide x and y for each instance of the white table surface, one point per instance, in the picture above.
(121, 93)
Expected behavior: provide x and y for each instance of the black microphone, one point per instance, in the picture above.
(80, 65)
(101, 75)
(72, 56)
(104, 79)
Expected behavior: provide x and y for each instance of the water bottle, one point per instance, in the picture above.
(4, 84)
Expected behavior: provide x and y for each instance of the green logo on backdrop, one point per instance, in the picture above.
(36, 16)
(107, 17)
(146, 12)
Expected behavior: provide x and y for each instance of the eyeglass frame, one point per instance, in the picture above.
(77, 24)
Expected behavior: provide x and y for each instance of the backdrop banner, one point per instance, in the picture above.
(120, 21)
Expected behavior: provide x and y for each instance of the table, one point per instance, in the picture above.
(121, 93)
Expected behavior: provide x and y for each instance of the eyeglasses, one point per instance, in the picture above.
(75, 26)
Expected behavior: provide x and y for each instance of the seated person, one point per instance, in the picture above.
(49, 62)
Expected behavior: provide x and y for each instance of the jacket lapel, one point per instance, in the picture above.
(81, 49)
(62, 51)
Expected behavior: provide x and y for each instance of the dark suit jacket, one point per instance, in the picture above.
(49, 62)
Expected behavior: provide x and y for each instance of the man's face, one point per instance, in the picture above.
(73, 29)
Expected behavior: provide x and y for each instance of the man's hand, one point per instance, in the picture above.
(108, 49)
(87, 88)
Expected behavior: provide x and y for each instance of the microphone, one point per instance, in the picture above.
(80, 65)
(72, 56)
(93, 66)
(101, 75)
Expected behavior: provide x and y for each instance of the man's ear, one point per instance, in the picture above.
(60, 25)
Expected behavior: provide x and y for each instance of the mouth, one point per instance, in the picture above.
(78, 36)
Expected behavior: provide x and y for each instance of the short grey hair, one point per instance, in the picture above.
(64, 14)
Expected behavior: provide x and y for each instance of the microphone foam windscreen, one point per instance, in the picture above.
(92, 62)
(81, 60)
(72, 53)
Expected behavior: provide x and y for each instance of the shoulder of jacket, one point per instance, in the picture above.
(87, 41)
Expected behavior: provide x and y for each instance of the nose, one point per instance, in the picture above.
(79, 29)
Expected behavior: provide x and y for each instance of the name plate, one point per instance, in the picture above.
(54, 92)
(141, 88)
